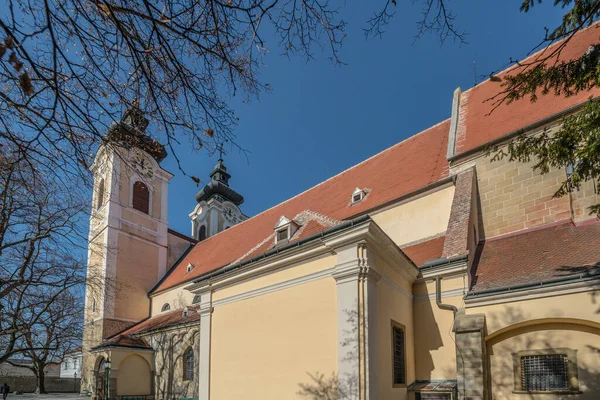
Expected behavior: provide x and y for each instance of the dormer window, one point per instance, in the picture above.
(165, 307)
(358, 195)
(282, 235)
(284, 229)
(190, 267)
(186, 312)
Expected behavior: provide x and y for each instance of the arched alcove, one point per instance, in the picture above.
(134, 377)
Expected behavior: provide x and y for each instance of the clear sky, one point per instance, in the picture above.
(320, 120)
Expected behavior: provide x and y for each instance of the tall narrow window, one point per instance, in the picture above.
(398, 354)
(202, 232)
(188, 365)
(100, 198)
(141, 197)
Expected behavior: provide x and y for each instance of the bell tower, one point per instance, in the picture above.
(217, 205)
(127, 242)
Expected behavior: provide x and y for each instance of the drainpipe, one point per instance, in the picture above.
(438, 297)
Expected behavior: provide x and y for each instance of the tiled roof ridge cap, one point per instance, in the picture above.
(315, 215)
(536, 54)
(332, 177)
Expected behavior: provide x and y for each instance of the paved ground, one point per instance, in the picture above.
(51, 396)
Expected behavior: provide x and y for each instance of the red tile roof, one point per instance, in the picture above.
(425, 251)
(124, 341)
(537, 255)
(477, 126)
(404, 168)
(162, 321)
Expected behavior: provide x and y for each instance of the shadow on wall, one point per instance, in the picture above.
(169, 361)
(331, 387)
(543, 336)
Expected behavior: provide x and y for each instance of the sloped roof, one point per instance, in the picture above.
(400, 170)
(478, 125)
(538, 255)
(123, 341)
(163, 321)
(425, 251)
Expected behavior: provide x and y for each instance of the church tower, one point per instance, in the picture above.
(127, 251)
(218, 205)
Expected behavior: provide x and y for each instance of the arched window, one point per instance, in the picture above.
(166, 307)
(188, 365)
(141, 197)
(100, 198)
(202, 232)
(196, 299)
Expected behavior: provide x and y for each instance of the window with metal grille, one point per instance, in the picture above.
(398, 355)
(141, 197)
(282, 235)
(188, 365)
(545, 372)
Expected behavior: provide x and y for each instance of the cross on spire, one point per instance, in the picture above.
(220, 149)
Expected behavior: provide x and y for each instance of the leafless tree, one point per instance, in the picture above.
(41, 257)
(56, 330)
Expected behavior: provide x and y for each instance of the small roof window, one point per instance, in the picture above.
(358, 195)
(190, 267)
(284, 229)
(166, 307)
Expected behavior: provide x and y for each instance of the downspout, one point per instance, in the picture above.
(438, 297)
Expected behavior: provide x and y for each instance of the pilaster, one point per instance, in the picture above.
(205, 312)
(356, 284)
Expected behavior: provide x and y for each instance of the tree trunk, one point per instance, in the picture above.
(41, 387)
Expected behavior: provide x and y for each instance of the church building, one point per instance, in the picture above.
(428, 271)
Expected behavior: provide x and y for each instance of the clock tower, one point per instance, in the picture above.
(217, 205)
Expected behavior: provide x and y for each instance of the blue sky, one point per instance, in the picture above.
(320, 119)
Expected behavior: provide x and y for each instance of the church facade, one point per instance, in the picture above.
(428, 271)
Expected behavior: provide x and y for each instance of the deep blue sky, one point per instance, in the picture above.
(320, 120)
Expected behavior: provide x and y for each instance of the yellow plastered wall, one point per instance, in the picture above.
(177, 298)
(137, 273)
(582, 306)
(264, 347)
(584, 339)
(562, 321)
(134, 376)
(416, 220)
(435, 349)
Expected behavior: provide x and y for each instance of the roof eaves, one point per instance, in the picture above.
(561, 280)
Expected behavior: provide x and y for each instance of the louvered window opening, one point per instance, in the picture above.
(542, 373)
(188, 365)
(141, 197)
(399, 363)
(100, 199)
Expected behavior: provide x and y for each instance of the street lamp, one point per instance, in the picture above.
(107, 372)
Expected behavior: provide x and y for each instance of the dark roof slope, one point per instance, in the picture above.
(538, 255)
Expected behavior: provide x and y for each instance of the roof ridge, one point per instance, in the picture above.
(537, 53)
(336, 175)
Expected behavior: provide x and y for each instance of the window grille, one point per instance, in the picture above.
(545, 372)
(398, 354)
(188, 365)
(141, 197)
